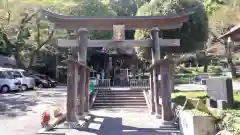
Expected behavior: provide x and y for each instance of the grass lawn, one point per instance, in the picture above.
(180, 97)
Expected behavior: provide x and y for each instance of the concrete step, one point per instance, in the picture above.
(136, 90)
(116, 107)
(120, 104)
(119, 97)
(120, 101)
(120, 93)
(126, 94)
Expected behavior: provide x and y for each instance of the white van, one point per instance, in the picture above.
(26, 82)
(8, 82)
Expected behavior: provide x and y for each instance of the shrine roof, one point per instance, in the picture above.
(106, 23)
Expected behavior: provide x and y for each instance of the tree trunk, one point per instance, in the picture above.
(32, 57)
(205, 68)
(19, 63)
(233, 68)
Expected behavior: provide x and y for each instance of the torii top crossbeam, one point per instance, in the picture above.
(106, 23)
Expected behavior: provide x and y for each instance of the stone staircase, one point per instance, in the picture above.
(119, 99)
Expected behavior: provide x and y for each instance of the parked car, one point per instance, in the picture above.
(26, 81)
(8, 82)
(41, 83)
(201, 79)
(53, 83)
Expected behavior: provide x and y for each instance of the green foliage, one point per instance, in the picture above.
(126, 7)
(193, 34)
(93, 8)
(26, 33)
(212, 5)
(6, 47)
(223, 12)
(212, 70)
(196, 112)
(215, 70)
(180, 97)
(230, 120)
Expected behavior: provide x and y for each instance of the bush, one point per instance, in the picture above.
(217, 70)
(183, 78)
(196, 112)
(230, 120)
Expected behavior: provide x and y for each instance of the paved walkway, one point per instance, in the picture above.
(22, 116)
(20, 113)
(121, 122)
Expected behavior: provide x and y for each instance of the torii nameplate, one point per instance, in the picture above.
(119, 32)
(107, 43)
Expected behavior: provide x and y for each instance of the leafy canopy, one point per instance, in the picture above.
(193, 34)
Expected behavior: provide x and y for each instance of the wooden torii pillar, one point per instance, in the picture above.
(156, 55)
(82, 94)
(72, 87)
(165, 67)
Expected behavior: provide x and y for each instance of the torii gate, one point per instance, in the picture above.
(119, 25)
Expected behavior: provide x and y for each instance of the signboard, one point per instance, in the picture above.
(219, 88)
(119, 32)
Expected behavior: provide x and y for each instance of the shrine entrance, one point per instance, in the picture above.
(78, 72)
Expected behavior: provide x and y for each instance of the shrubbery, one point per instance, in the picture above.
(227, 120)
(230, 120)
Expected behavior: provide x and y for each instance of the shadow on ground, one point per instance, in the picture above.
(53, 94)
(100, 125)
(16, 104)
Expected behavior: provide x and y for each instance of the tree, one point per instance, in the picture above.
(24, 29)
(220, 24)
(219, 20)
(93, 8)
(125, 7)
(14, 26)
(42, 36)
(193, 34)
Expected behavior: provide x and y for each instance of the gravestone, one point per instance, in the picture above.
(220, 92)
